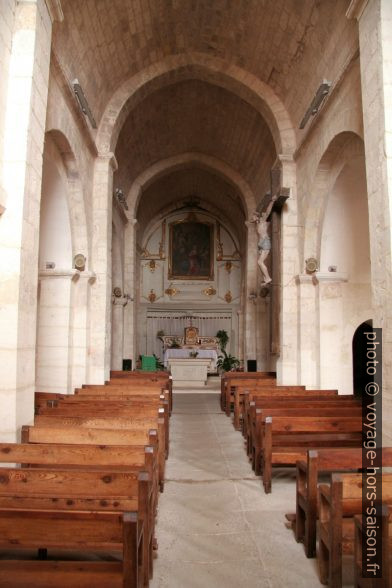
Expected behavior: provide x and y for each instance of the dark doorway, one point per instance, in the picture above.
(359, 357)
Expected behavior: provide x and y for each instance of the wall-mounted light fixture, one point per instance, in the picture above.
(319, 97)
(81, 98)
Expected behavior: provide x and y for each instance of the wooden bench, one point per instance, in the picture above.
(338, 503)
(229, 377)
(164, 378)
(90, 436)
(240, 393)
(79, 510)
(96, 457)
(293, 413)
(386, 525)
(286, 441)
(256, 402)
(130, 408)
(246, 385)
(322, 461)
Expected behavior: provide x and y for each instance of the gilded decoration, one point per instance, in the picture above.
(191, 246)
(171, 291)
(228, 297)
(152, 296)
(210, 291)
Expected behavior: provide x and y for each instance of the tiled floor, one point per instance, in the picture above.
(216, 527)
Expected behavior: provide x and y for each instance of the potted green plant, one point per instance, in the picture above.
(223, 339)
(227, 362)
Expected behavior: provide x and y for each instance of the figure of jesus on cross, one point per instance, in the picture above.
(264, 242)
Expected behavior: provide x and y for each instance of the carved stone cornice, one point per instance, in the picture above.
(329, 277)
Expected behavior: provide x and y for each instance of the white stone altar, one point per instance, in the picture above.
(189, 372)
(185, 354)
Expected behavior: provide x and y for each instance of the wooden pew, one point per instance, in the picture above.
(286, 441)
(96, 457)
(385, 581)
(247, 384)
(229, 377)
(79, 510)
(322, 461)
(338, 503)
(164, 377)
(123, 407)
(307, 398)
(115, 423)
(240, 393)
(91, 436)
(263, 401)
(294, 413)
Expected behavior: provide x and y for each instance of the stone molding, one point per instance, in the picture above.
(73, 274)
(329, 277)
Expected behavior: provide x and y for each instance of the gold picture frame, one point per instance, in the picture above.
(191, 250)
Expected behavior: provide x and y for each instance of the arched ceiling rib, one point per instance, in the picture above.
(203, 187)
(282, 42)
(194, 116)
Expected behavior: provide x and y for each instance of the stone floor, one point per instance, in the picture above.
(216, 527)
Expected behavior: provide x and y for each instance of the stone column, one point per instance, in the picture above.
(118, 306)
(375, 40)
(287, 364)
(335, 353)
(101, 291)
(24, 127)
(250, 315)
(263, 332)
(308, 336)
(130, 271)
(80, 328)
(54, 333)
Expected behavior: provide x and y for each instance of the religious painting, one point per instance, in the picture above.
(191, 335)
(191, 250)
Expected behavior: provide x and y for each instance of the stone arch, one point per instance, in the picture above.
(343, 147)
(76, 206)
(211, 69)
(182, 161)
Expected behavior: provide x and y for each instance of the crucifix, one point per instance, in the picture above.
(268, 213)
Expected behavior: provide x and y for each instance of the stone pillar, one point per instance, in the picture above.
(308, 339)
(130, 271)
(101, 291)
(24, 127)
(263, 332)
(375, 40)
(335, 352)
(250, 314)
(118, 305)
(287, 364)
(54, 332)
(80, 328)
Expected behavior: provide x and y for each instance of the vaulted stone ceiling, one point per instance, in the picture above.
(208, 190)
(194, 116)
(281, 42)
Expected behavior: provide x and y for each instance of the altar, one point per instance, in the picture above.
(186, 353)
(189, 372)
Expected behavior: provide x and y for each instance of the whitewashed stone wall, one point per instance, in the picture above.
(7, 15)
(22, 167)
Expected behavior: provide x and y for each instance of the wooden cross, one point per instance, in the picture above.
(276, 189)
